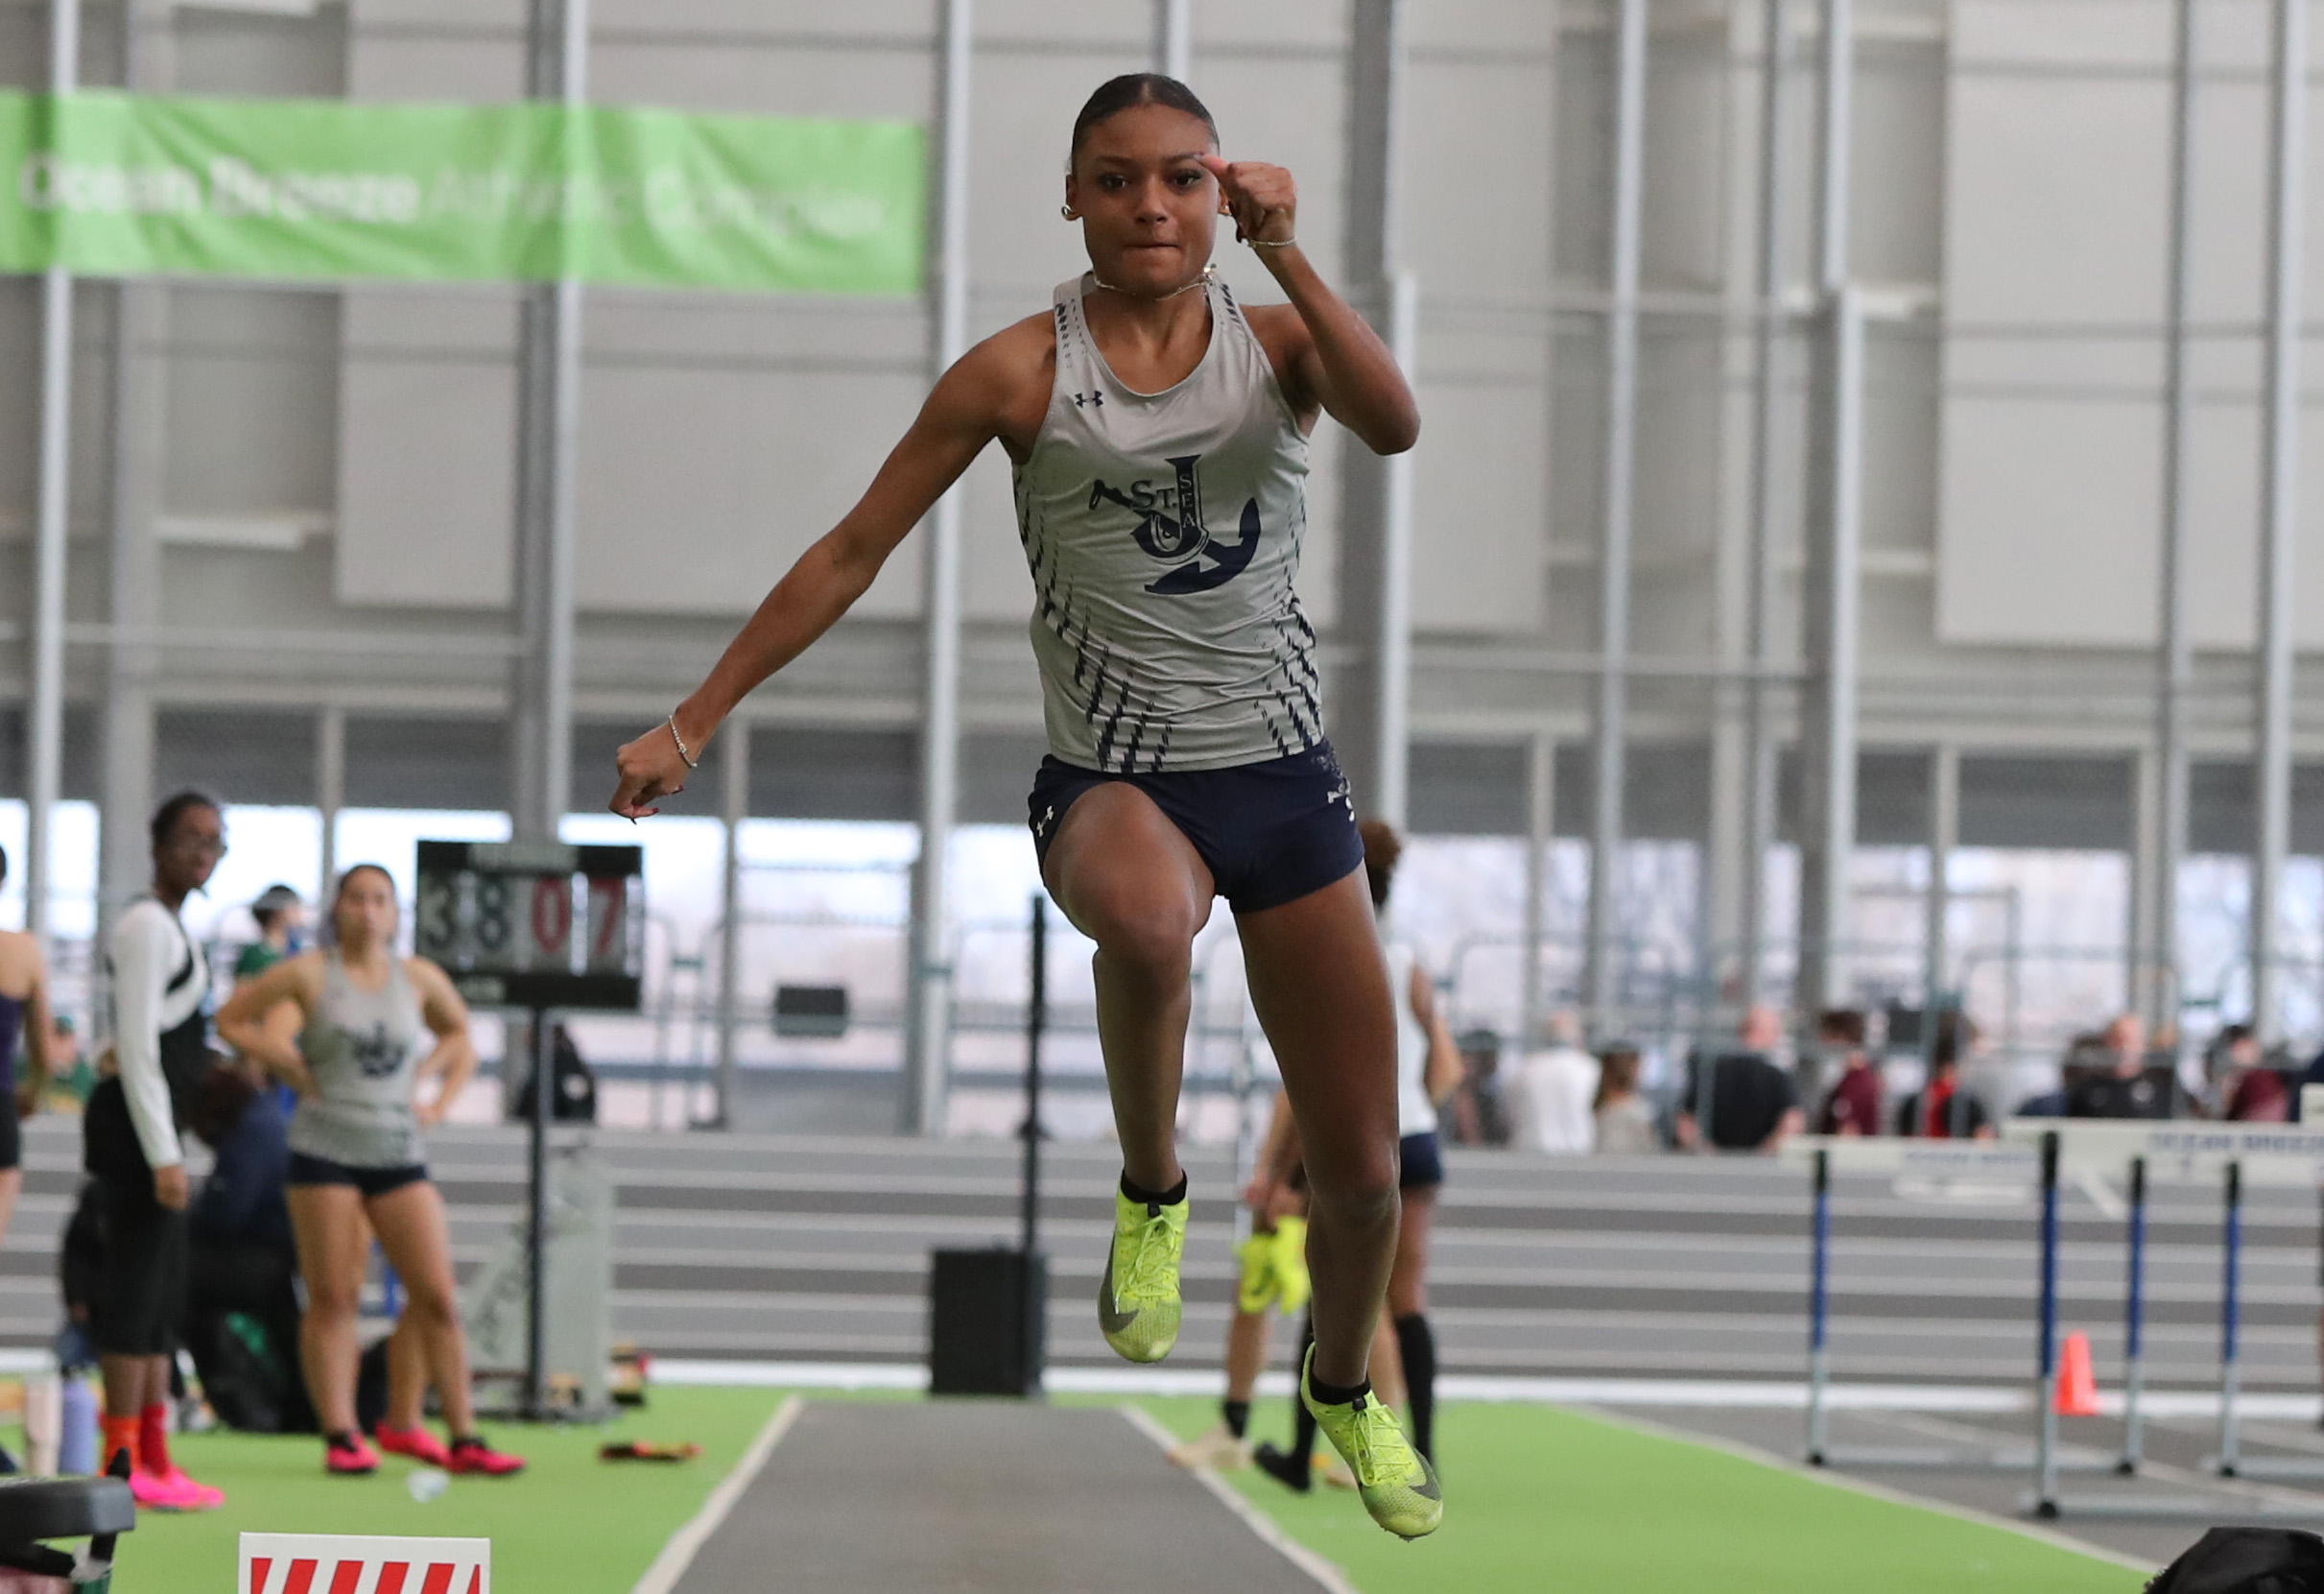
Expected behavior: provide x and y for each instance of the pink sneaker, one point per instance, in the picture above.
(474, 1456)
(414, 1441)
(203, 1496)
(172, 1491)
(354, 1459)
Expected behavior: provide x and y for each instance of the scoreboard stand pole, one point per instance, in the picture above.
(536, 1222)
(539, 928)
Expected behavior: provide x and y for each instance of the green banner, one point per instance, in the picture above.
(305, 190)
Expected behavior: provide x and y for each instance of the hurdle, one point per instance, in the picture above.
(2237, 1155)
(1899, 1156)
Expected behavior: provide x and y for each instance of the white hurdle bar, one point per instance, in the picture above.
(2037, 1152)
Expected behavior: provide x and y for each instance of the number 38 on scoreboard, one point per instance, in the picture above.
(534, 926)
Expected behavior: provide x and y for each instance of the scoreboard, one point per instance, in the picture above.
(535, 925)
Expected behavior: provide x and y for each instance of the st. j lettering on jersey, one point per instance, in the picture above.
(1163, 532)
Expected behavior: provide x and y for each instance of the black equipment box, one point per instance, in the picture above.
(987, 1318)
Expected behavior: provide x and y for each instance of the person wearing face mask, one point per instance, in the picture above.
(378, 1028)
(130, 1145)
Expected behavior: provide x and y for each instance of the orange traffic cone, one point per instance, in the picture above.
(2077, 1388)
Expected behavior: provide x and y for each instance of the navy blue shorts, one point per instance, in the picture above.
(1269, 833)
(1423, 1161)
(370, 1184)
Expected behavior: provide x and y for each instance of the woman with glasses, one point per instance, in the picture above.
(130, 1145)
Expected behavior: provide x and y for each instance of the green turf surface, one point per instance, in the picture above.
(1536, 1497)
(570, 1524)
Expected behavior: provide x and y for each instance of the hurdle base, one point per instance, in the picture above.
(1933, 1459)
(2269, 1468)
(2168, 1507)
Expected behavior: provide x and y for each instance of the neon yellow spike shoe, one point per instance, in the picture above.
(1291, 1265)
(1394, 1481)
(1258, 1286)
(1138, 1297)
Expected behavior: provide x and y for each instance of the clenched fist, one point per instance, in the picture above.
(1263, 200)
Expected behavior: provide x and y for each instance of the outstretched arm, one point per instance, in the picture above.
(1344, 366)
(959, 417)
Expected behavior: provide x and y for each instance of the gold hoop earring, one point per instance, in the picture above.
(1067, 211)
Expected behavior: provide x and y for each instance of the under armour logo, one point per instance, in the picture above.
(1083, 400)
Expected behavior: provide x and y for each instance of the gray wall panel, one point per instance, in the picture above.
(236, 755)
(1467, 789)
(408, 762)
(810, 772)
(2012, 802)
(80, 753)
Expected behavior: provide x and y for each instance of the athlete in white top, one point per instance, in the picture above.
(1158, 433)
(128, 1138)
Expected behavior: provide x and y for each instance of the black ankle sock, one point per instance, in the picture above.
(1291, 1470)
(1419, 1343)
(1171, 1197)
(1332, 1395)
(1238, 1415)
(342, 1440)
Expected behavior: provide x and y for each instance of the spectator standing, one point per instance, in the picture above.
(1624, 1123)
(1853, 1107)
(2122, 1079)
(1943, 1110)
(130, 1144)
(1739, 1100)
(282, 920)
(2248, 1088)
(1552, 1092)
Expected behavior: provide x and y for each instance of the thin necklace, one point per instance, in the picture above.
(1156, 298)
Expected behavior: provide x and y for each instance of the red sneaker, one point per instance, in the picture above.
(414, 1441)
(473, 1455)
(347, 1456)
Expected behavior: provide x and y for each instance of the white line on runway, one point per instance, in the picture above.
(1327, 1576)
(678, 1554)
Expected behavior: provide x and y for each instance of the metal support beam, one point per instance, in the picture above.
(1392, 641)
(1766, 567)
(138, 424)
(45, 730)
(2155, 936)
(733, 809)
(1944, 835)
(928, 998)
(1831, 583)
(1541, 835)
(1609, 723)
(2279, 509)
(557, 68)
(1374, 635)
(330, 785)
(1173, 37)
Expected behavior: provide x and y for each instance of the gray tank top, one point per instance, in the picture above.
(364, 1049)
(1163, 531)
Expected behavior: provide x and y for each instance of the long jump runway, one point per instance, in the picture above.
(979, 1495)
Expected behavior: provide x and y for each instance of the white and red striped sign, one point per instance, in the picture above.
(336, 1563)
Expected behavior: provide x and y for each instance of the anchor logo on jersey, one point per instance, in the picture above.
(1203, 565)
(377, 1053)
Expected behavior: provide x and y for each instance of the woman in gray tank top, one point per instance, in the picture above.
(376, 1027)
(1158, 430)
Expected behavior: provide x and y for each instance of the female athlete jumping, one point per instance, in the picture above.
(1159, 432)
